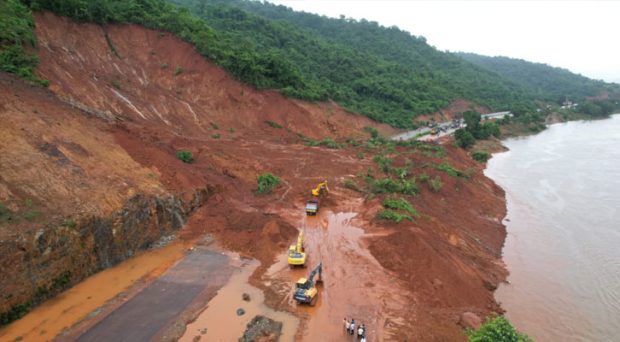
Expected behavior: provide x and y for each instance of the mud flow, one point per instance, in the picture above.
(85, 300)
(354, 283)
(220, 321)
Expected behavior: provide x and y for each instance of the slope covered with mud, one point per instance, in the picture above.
(124, 99)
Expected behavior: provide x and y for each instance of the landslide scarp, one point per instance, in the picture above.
(73, 201)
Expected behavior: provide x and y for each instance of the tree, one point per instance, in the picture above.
(464, 138)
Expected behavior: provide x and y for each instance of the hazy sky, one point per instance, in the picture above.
(582, 36)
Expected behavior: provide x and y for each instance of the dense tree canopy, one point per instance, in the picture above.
(382, 72)
(548, 83)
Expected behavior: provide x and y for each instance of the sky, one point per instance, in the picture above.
(582, 36)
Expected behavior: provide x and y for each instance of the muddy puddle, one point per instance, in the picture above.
(220, 321)
(354, 284)
(85, 299)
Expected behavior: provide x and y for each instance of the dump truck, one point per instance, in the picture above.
(312, 206)
(306, 291)
(296, 253)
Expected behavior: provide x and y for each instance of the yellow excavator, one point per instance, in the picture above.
(321, 189)
(296, 253)
(306, 291)
(312, 205)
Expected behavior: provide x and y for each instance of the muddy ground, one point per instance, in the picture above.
(405, 281)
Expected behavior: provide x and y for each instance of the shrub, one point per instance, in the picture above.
(267, 182)
(360, 155)
(448, 169)
(327, 142)
(390, 215)
(385, 185)
(399, 204)
(214, 125)
(409, 187)
(481, 156)
(216, 136)
(350, 184)
(435, 184)
(374, 133)
(496, 329)
(178, 70)
(6, 215)
(273, 124)
(385, 163)
(163, 66)
(463, 138)
(401, 172)
(185, 156)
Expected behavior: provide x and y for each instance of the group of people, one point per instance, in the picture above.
(350, 326)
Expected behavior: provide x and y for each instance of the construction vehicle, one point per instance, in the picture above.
(296, 254)
(313, 204)
(306, 291)
(321, 189)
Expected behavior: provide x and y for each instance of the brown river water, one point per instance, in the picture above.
(563, 244)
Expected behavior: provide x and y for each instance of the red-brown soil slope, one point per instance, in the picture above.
(153, 76)
(138, 109)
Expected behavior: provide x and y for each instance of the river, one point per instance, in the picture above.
(563, 245)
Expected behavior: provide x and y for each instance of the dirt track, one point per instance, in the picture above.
(404, 281)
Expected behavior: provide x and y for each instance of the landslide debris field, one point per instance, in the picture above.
(89, 178)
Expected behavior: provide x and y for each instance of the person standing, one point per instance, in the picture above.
(352, 332)
(360, 331)
(347, 325)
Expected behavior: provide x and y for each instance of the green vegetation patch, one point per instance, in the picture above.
(448, 169)
(391, 215)
(399, 204)
(481, 156)
(17, 31)
(497, 329)
(327, 142)
(267, 182)
(273, 124)
(185, 156)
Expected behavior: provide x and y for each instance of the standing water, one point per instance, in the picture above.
(563, 244)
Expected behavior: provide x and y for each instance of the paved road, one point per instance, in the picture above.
(143, 316)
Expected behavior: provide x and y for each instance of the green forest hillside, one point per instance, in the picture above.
(384, 73)
(547, 82)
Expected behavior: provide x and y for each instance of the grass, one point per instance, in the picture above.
(350, 184)
(385, 163)
(390, 186)
(327, 142)
(185, 156)
(390, 215)
(266, 183)
(435, 184)
(273, 124)
(481, 156)
(448, 169)
(399, 204)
